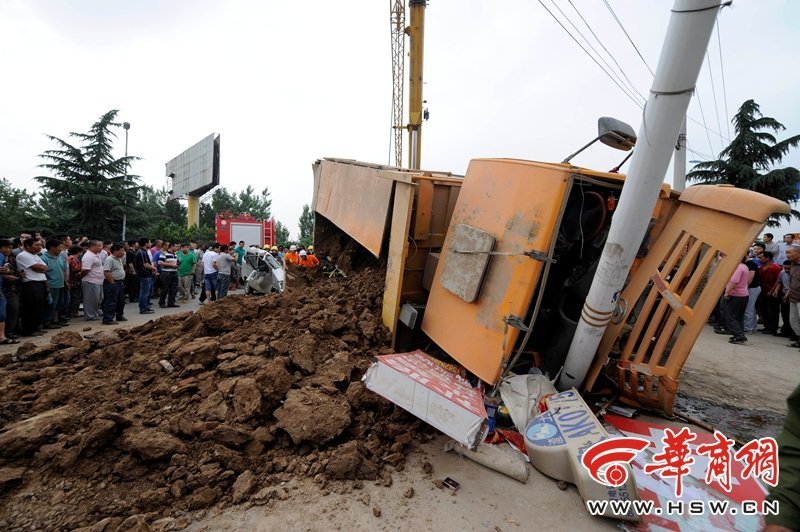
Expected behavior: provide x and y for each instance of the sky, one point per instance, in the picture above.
(287, 83)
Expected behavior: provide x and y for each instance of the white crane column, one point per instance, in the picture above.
(679, 161)
(682, 55)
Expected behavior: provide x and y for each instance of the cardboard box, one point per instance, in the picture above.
(415, 382)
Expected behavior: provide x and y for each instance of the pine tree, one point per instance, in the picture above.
(306, 224)
(258, 205)
(18, 210)
(281, 234)
(749, 161)
(90, 183)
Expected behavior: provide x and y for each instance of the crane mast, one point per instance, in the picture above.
(397, 21)
(416, 31)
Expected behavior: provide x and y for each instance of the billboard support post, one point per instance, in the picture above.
(194, 172)
(193, 215)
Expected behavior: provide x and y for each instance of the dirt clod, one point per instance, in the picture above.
(243, 486)
(150, 444)
(310, 414)
(10, 476)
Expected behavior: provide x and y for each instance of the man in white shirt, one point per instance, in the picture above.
(33, 296)
(224, 265)
(781, 257)
(199, 273)
(210, 273)
(92, 280)
(105, 251)
(771, 246)
(114, 286)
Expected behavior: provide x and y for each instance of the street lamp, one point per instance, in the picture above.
(126, 126)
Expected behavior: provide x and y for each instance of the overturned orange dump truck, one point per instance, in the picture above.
(492, 269)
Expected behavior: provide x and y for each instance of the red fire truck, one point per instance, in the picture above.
(233, 228)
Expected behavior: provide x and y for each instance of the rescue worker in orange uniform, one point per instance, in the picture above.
(306, 260)
(292, 257)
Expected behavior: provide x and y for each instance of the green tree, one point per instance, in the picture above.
(89, 182)
(222, 200)
(258, 205)
(750, 160)
(18, 209)
(148, 211)
(281, 235)
(207, 215)
(175, 212)
(51, 216)
(182, 234)
(306, 225)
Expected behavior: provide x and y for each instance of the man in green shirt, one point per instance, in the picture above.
(239, 252)
(187, 261)
(56, 277)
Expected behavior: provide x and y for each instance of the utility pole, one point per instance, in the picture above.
(679, 161)
(416, 33)
(126, 126)
(685, 45)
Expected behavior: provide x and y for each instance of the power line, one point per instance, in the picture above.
(619, 22)
(708, 129)
(724, 92)
(703, 124)
(703, 114)
(713, 89)
(610, 68)
(630, 83)
(702, 155)
(634, 100)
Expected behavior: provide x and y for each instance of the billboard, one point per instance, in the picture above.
(195, 171)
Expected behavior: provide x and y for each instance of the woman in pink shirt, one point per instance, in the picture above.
(734, 303)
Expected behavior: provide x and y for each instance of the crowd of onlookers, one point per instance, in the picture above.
(44, 283)
(764, 288)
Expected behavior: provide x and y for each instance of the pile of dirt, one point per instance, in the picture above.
(139, 427)
(339, 248)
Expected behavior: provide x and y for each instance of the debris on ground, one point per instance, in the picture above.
(98, 430)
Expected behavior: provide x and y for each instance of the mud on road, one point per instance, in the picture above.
(262, 391)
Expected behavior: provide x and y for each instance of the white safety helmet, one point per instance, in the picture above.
(303, 253)
(292, 248)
